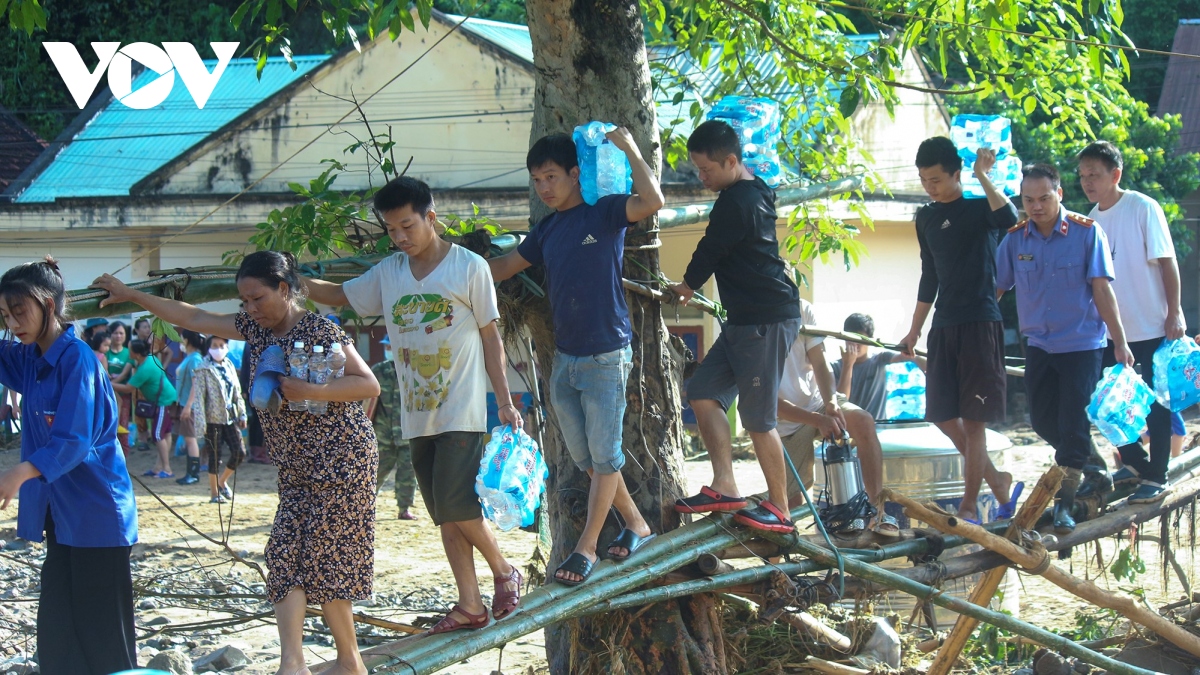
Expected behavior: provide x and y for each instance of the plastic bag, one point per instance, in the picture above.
(971, 132)
(1120, 404)
(1006, 176)
(904, 391)
(512, 476)
(756, 120)
(1177, 374)
(603, 168)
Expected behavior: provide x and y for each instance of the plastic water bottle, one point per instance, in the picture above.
(1177, 374)
(337, 361)
(603, 168)
(1120, 404)
(756, 121)
(972, 132)
(904, 388)
(504, 510)
(1005, 175)
(298, 368)
(318, 373)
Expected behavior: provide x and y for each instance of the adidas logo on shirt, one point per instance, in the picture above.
(589, 240)
(946, 224)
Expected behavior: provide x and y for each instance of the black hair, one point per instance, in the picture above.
(273, 268)
(139, 347)
(40, 283)
(139, 321)
(96, 339)
(715, 139)
(404, 191)
(556, 148)
(1042, 170)
(1103, 151)
(939, 150)
(859, 323)
(193, 339)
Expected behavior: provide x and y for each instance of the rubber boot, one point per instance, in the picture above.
(193, 472)
(1064, 522)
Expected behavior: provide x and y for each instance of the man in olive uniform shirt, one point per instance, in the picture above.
(393, 449)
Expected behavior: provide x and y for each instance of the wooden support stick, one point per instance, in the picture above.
(818, 630)
(990, 582)
(1038, 562)
(370, 620)
(831, 668)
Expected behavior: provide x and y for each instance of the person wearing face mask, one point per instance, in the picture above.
(219, 394)
(394, 451)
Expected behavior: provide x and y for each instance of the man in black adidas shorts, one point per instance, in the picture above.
(965, 380)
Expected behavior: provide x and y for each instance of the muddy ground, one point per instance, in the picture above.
(412, 578)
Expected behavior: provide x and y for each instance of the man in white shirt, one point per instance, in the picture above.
(810, 408)
(1147, 289)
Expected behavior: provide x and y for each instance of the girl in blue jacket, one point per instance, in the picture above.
(72, 483)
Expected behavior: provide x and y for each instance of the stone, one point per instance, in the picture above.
(158, 621)
(16, 545)
(222, 659)
(173, 661)
(883, 646)
(1047, 662)
(19, 665)
(147, 604)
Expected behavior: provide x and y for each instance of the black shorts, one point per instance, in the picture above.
(965, 376)
(446, 466)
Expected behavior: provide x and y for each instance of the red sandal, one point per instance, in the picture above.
(505, 601)
(447, 624)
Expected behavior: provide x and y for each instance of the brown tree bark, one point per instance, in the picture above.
(590, 63)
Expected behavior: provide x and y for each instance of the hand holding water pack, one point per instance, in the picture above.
(1177, 374)
(512, 476)
(603, 167)
(1120, 404)
(756, 121)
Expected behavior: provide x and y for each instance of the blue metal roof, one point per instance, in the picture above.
(511, 37)
(120, 145)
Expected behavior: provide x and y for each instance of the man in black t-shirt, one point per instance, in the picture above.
(965, 379)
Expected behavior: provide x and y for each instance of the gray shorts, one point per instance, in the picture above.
(745, 363)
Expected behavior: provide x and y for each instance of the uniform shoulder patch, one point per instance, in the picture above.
(1018, 226)
(1080, 219)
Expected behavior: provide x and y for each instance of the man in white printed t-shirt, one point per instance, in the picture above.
(1147, 289)
(810, 408)
(439, 305)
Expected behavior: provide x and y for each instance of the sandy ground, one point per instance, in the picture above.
(411, 573)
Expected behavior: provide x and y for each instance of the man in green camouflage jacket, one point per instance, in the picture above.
(393, 449)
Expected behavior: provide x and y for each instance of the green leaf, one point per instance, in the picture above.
(163, 329)
(1029, 104)
(849, 100)
(241, 12)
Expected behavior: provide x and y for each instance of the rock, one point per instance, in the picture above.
(222, 659)
(172, 661)
(147, 604)
(1023, 671)
(19, 665)
(884, 644)
(158, 621)
(1046, 662)
(16, 545)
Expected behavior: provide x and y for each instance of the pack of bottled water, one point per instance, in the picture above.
(603, 167)
(1120, 404)
(1177, 374)
(512, 476)
(972, 132)
(756, 120)
(904, 392)
(1005, 175)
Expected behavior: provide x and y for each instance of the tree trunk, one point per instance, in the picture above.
(590, 62)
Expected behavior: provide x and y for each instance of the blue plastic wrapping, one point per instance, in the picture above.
(512, 476)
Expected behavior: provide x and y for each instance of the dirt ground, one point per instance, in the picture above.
(412, 578)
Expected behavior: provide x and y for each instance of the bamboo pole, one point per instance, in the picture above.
(989, 583)
(898, 582)
(1038, 562)
(784, 197)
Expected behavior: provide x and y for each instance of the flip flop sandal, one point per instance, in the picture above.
(766, 516)
(887, 526)
(709, 500)
(1006, 511)
(630, 541)
(505, 601)
(447, 624)
(576, 563)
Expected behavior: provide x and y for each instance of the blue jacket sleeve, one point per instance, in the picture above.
(14, 361)
(72, 433)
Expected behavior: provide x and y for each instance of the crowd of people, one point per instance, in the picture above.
(1089, 292)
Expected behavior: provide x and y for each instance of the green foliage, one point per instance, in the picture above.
(161, 328)
(1127, 566)
(457, 226)
(1149, 145)
(990, 644)
(1094, 624)
(508, 11)
(1151, 24)
(24, 15)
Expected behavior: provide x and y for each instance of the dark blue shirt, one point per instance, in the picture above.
(582, 250)
(1053, 277)
(69, 432)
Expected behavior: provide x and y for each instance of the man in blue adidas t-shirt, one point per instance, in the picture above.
(582, 247)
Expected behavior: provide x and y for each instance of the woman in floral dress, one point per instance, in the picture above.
(321, 548)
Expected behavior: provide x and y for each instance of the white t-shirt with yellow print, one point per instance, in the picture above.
(434, 325)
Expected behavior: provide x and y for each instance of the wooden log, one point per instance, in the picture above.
(370, 620)
(1038, 562)
(831, 668)
(987, 586)
(818, 630)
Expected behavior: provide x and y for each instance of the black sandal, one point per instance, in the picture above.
(630, 541)
(576, 563)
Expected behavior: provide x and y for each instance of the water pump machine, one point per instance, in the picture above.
(845, 505)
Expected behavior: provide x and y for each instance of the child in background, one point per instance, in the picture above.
(99, 343)
(150, 381)
(219, 394)
(72, 480)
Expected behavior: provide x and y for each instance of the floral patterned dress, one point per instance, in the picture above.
(323, 538)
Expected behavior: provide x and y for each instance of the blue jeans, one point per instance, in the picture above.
(588, 393)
